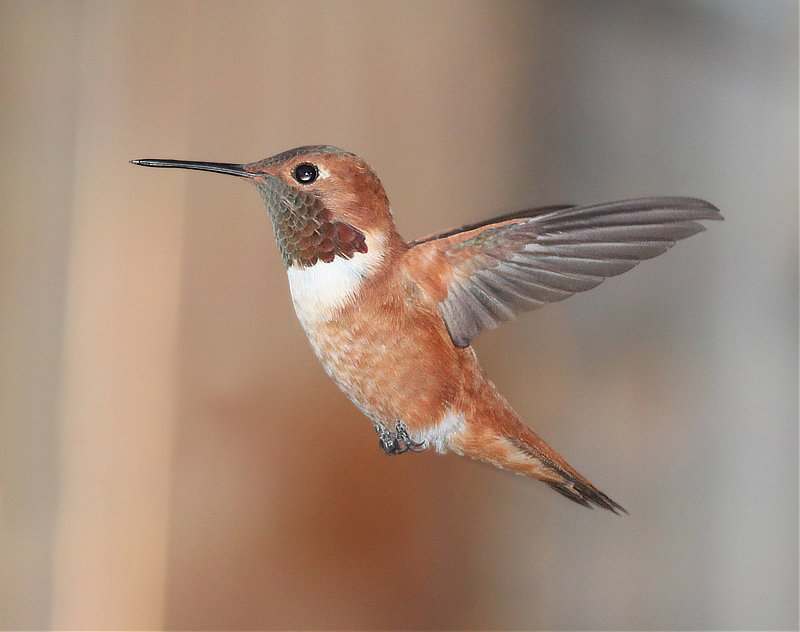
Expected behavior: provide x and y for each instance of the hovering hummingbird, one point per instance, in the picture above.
(392, 321)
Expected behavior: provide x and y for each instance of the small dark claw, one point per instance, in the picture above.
(397, 442)
(405, 438)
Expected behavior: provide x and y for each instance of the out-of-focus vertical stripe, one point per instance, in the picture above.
(118, 387)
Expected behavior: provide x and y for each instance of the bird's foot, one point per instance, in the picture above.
(404, 438)
(398, 441)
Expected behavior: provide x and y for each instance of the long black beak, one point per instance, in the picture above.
(219, 167)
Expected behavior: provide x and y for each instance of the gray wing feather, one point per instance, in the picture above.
(550, 256)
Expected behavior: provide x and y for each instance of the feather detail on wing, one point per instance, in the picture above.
(497, 269)
(526, 214)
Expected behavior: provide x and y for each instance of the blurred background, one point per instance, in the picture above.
(173, 456)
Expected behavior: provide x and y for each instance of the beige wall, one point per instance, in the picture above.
(171, 453)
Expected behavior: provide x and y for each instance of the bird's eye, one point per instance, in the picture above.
(305, 173)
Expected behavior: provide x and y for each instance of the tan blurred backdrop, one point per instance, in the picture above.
(171, 453)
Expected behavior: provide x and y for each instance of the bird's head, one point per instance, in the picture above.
(324, 202)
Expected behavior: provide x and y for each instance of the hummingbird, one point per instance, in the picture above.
(392, 321)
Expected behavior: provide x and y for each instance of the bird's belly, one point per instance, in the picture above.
(384, 373)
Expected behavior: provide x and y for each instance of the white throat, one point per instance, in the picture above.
(321, 291)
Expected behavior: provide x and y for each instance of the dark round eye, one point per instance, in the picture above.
(305, 173)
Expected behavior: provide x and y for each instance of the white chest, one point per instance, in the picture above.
(321, 291)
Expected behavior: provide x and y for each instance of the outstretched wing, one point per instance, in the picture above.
(521, 261)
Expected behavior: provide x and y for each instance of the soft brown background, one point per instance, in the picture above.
(171, 453)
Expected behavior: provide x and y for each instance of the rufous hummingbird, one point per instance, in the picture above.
(392, 321)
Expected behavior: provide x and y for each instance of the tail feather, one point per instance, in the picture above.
(514, 446)
(568, 482)
(587, 495)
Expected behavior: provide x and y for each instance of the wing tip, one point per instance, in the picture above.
(701, 209)
(710, 210)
